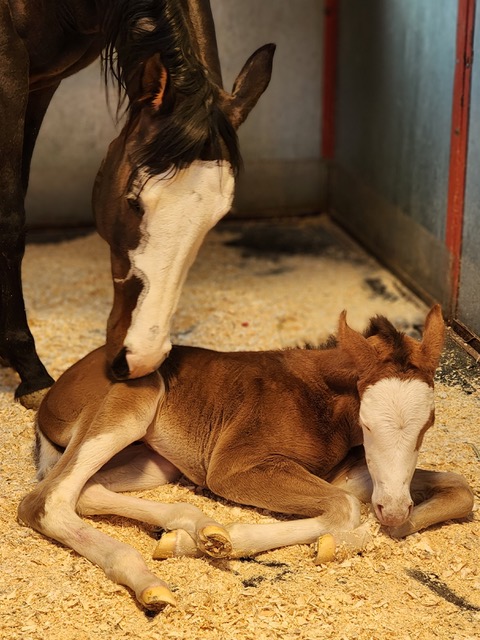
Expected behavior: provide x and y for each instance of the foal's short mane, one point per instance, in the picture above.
(190, 123)
(384, 329)
(390, 336)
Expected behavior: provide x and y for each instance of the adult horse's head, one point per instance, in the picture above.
(395, 385)
(169, 176)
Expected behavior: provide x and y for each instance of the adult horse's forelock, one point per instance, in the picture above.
(190, 121)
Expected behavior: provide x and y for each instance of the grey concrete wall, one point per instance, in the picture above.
(280, 141)
(72, 142)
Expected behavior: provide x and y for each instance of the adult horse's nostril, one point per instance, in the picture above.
(119, 366)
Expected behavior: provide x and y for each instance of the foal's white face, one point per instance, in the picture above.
(394, 415)
(178, 211)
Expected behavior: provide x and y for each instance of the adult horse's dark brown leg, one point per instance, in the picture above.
(17, 345)
(38, 103)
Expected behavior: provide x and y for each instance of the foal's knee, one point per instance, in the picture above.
(346, 512)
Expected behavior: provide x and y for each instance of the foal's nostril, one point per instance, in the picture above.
(120, 366)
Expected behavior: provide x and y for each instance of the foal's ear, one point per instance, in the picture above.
(251, 82)
(356, 345)
(433, 338)
(154, 82)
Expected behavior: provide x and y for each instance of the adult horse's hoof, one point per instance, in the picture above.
(34, 399)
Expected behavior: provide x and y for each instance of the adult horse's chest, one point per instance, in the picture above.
(60, 38)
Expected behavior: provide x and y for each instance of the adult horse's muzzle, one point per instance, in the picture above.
(119, 366)
(126, 365)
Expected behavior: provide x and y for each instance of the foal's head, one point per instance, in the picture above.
(170, 174)
(395, 384)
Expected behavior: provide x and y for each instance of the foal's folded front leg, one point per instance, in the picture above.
(282, 486)
(438, 496)
(248, 540)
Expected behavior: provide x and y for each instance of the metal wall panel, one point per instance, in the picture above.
(468, 311)
(390, 182)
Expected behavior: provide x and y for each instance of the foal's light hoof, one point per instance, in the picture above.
(34, 399)
(157, 597)
(326, 547)
(215, 541)
(166, 546)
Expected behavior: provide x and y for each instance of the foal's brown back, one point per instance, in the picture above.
(259, 405)
(295, 403)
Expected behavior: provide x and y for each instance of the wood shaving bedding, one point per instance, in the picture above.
(426, 586)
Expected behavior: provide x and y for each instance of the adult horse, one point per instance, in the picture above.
(166, 179)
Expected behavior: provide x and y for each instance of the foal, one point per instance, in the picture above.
(305, 432)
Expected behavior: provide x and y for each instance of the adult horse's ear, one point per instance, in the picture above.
(251, 82)
(356, 345)
(433, 338)
(154, 81)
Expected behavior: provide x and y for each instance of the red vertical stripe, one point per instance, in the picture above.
(459, 141)
(330, 37)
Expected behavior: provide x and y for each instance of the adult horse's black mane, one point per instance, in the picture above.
(190, 124)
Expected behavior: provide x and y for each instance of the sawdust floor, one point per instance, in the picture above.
(254, 286)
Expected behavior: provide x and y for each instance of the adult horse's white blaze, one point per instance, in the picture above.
(394, 415)
(178, 213)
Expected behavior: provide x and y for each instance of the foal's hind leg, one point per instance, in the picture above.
(438, 496)
(50, 507)
(138, 468)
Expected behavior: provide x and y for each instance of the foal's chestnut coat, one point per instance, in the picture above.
(305, 432)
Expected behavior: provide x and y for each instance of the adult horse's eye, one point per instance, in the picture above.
(135, 205)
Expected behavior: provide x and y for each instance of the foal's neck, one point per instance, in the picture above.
(331, 373)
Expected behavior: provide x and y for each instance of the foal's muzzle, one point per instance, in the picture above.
(393, 515)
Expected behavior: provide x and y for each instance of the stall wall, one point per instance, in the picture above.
(389, 186)
(280, 141)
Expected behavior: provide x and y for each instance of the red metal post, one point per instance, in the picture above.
(459, 142)
(330, 41)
